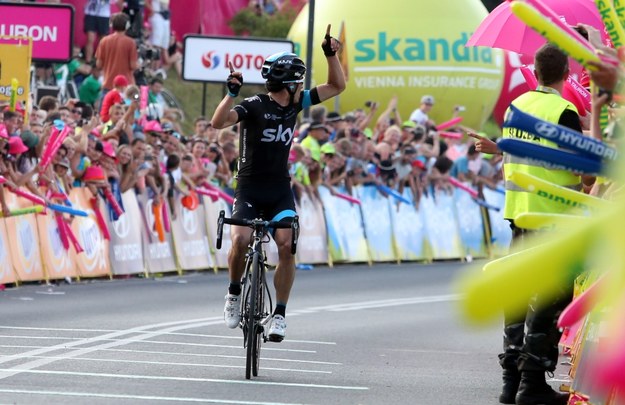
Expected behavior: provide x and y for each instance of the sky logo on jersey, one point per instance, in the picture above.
(278, 135)
(210, 60)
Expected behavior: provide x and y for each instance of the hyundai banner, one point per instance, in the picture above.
(51, 28)
(206, 59)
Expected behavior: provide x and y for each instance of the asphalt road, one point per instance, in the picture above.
(387, 334)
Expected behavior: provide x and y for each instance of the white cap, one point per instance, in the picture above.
(427, 100)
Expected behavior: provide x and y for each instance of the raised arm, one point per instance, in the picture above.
(224, 116)
(336, 79)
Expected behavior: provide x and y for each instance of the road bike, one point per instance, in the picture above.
(257, 303)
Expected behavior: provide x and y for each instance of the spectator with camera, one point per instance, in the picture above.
(117, 53)
(159, 14)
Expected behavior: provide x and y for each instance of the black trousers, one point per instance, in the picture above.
(537, 348)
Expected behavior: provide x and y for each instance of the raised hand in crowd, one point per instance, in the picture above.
(483, 144)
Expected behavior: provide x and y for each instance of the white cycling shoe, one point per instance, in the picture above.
(277, 328)
(232, 311)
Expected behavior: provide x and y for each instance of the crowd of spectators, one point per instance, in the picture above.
(122, 137)
(342, 151)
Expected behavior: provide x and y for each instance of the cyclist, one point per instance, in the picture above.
(263, 183)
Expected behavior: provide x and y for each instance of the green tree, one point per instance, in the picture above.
(248, 22)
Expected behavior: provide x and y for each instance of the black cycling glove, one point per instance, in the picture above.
(233, 87)
(327, 46)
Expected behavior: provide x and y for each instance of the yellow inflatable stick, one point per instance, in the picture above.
(611, 22)
(563, 195)
(13, 97)
(619, 8)
(508, 282)
(554, 34)
(539, 220)
(35, 209)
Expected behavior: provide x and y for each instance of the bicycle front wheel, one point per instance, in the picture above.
(254, 329)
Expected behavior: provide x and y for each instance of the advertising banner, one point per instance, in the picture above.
(470, 224)
(158, 256)
(312, 246)
(377, 222)
(409, 230)
(7, 275)
(190, 239)
(392, 52)
(24, 243)
(57, 261)
(14, 68)
(94, 260)
(206, 58)
(50, 27)
(126, 252)
(500, 232)
(346, 236)
(442, 226)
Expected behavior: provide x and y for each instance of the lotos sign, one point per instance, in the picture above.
(50, 27)
(408, 49)
(206, 59)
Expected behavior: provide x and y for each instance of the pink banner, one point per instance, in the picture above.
(49, 25)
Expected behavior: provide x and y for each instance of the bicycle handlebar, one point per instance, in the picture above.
(253, 223)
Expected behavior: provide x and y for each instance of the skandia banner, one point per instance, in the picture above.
(206, 59)
(50, 26)
(408, 49)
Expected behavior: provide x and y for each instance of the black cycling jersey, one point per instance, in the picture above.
(267, 131)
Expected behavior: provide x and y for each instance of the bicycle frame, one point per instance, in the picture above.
(255, 311)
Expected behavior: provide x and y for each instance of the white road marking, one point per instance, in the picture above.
(167, 363)
(144, 339)
(178, 354)
(185, 379)
(139, 397)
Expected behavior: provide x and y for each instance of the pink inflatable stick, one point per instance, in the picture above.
(449, 124)
(113, 202)
(72, 238)
(166, 223)
(100, 219)
(347, 198)
(450, 135)
(209, 193)
(143, 102)
(220, 192)
(456, 183)
(30, 197)
(52, 148)
(577, 309)
(62, 226)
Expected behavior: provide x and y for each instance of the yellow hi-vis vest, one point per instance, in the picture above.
(548, 107)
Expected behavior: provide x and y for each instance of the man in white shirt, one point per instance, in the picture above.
(420, 115)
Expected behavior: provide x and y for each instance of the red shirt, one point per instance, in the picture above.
(111, 98)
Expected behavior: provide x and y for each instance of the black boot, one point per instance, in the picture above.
(511, 379)
(534, 390)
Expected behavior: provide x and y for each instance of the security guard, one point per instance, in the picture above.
(527, 356)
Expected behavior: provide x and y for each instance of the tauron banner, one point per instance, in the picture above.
(190, 240)
(312, 246)
(50, 26)
(57, 261)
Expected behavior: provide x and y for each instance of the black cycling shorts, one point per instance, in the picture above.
(269, 201)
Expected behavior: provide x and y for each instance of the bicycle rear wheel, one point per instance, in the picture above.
(253, 320)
